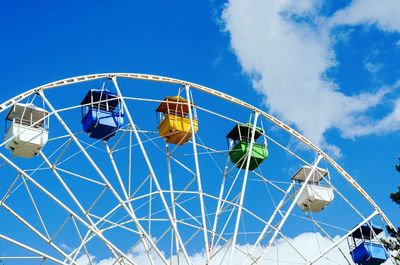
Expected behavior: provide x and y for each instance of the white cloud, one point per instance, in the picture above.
(389, 123)
(315, 243)
(137, 254)
(287, 59)
(384, 14)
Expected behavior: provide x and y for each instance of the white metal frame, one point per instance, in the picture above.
(211, 244)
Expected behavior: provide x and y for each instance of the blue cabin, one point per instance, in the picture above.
(101, 114)
(366, 248)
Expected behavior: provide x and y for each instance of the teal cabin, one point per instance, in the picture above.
(239, 143)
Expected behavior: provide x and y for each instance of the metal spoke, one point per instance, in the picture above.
(34, 230)
(268, 225)
(103, 177)
(242, 193)
(33, 250)
(172, 198)
(218, 208)
(166, 210)
(282, 222)
(150, 167)
(62, 205)
(199, 185)
(71, 194)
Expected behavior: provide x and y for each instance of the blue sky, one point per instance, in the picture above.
(331, 70)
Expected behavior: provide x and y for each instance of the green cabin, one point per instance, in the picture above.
(239, 143)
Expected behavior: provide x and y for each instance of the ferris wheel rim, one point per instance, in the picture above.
(213, 92)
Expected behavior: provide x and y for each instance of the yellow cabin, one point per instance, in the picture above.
(175, 122)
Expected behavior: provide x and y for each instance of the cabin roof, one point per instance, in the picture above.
(26, 112)
(175, 104)
(365, 231)
(303, 172)
(105, 95)
(244, 130)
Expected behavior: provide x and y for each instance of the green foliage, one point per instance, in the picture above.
(393, 244)
(395, 196)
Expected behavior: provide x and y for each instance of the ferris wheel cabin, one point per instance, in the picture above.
(239, 144)
(27, 130)
(175, 124)
(101, 114)
(366, 248)
(315, 196)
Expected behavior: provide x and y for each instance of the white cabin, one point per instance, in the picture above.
(315, 197)
(27, 130)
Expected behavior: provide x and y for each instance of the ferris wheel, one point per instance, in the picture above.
(124, 168)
